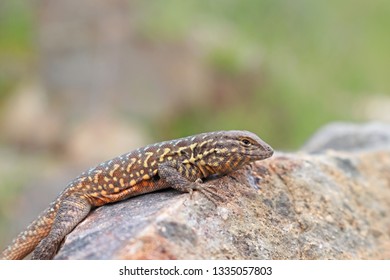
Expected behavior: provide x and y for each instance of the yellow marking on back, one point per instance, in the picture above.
(148, 155)
(131, 163)
(146, 177)
(96, 177)
(178, 151)
(166, 151)
(193, 146)
(205, 142)
(212, 150)
(116, 166)
(221, 151)
(133, 182)
(121, 182)
(193, 159)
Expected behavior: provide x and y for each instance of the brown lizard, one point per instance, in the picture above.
(181, 164)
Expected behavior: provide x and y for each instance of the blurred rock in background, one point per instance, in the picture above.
(95, 62)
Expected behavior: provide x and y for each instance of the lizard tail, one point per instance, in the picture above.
(27, 240)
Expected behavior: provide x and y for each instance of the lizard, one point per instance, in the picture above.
(183, 164)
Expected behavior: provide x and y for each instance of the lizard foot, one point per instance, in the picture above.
(208, 190)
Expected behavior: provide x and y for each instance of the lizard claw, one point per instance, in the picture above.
(208, 191)
(191, 192)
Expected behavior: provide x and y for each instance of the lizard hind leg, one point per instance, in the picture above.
(73, 209)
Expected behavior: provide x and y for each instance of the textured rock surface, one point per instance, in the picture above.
(334, 205)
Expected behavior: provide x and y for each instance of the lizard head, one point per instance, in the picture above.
(247, 145)
(233, 149)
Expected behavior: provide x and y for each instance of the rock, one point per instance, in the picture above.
(350, 137)
(334, 205)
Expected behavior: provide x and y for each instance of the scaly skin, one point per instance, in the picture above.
(181, 164)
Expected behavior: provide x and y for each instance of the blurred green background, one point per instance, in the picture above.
(81, 82)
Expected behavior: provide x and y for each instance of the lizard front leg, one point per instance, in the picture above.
(171, 175)
(73, 209)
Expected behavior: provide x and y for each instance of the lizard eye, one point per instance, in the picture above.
(245, 142)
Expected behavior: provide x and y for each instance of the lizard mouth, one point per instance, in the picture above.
(269, 152)
(260, 155)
